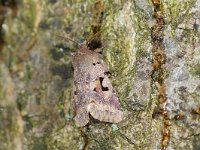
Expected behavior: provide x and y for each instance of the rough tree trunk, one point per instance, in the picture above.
(152, 49)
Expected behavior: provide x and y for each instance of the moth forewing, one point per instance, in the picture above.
(94, 92)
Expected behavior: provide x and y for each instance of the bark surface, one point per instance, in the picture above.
(152, 49)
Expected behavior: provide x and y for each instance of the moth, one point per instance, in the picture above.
(93, 92)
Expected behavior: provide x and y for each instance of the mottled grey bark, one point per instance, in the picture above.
(36, 75)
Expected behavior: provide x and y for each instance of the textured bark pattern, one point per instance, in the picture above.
(36, 86)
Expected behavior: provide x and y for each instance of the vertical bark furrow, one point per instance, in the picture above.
(158, 72)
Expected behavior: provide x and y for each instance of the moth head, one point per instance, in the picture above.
(94, 44)
(83, 45)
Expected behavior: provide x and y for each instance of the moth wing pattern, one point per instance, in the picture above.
(82, 116)
(94, 93)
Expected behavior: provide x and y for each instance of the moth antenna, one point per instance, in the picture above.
(65, 38)
(95, 35)
(99, 8)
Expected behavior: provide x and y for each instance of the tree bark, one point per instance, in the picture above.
(152, 50)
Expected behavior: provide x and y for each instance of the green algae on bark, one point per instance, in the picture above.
(11, 123)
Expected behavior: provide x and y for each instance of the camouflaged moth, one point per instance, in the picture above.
(93, 91)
